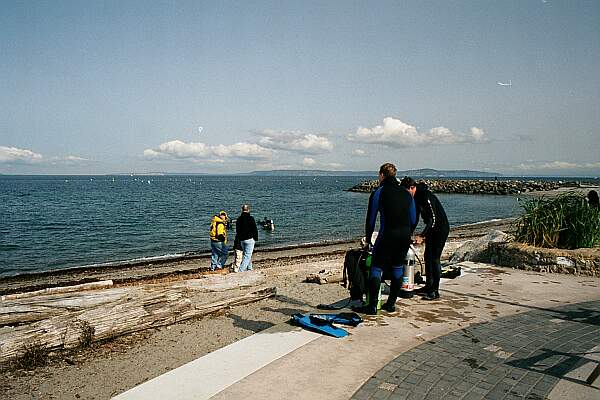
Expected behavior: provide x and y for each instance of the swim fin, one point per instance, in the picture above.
(318, 325)
(352, 319)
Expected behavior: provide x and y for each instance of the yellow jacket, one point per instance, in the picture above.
(218, 231)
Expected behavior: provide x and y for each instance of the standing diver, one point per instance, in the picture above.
(434, 234)
(397, 216)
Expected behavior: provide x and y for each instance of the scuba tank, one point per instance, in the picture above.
(408, 279)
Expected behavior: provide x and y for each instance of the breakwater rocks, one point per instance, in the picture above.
(477, 186)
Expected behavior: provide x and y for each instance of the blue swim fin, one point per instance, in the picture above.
(352, 319)
(320, 326)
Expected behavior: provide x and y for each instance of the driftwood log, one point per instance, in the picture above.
(61, 289)
(66, 320)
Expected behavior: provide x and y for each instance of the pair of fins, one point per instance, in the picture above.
(323, 323)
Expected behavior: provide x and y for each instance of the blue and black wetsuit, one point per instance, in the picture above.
(397, 217)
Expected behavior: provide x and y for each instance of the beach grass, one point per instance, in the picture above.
(565, 222)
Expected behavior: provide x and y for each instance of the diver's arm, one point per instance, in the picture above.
(372, 215)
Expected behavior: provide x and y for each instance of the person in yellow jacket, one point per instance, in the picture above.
(218, 241)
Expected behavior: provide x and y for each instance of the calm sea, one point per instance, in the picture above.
(56, 222)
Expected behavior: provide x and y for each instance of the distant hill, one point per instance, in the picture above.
(309, 172)
(419, 173)
(424, 172)
(454, 173)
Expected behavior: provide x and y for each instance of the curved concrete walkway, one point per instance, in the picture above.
(495, 333)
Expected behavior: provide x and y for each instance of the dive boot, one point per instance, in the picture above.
(371, 307)
(390, 304)
(421, 291)
(431, 296)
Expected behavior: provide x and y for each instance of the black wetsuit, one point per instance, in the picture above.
(435, 233)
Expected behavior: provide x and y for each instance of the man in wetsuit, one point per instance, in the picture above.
(397, 215)
(434, 234)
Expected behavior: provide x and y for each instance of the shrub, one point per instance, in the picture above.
(565, 222)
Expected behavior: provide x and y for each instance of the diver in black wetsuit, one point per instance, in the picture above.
(397, 214)
(435, 234)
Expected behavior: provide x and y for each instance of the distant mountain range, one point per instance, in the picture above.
(424, 172)
(419, 173)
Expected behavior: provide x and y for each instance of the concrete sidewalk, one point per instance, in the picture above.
(494, 333)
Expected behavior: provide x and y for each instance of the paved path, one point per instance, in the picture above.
(495, 333)
(515, 357)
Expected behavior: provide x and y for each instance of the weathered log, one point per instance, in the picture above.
(60, 289)
(134, 311)
(40, 305)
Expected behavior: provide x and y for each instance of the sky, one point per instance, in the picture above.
(104, 87)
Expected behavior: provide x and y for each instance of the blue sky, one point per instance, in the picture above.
(125, 86)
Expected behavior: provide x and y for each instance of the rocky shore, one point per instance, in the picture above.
(478, 186)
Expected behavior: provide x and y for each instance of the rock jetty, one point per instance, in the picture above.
(477, 186)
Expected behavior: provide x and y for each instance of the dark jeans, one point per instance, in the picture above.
(434, 244)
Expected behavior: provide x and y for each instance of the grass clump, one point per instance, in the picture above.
(31, 356)
(564, 222)
(87, 334)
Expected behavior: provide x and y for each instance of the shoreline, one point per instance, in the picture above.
(189, 266)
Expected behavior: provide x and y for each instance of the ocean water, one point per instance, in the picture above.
(56, 222)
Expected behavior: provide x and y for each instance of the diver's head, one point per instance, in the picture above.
(410, 185)
(387, 170)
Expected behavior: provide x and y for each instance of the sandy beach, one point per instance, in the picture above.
(106, 369)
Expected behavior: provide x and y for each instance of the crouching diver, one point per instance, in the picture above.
(397, 217)
(434, 234)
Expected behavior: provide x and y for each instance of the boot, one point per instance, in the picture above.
(371, 307)
(390, 304)
(423, 290)
(432, 295)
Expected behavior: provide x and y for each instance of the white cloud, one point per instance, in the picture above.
(359, 153)
(294, 141)
(395, 133)
(556, 165)
(196, 151)
(13, 155)
(334, 165)
(153, 154)
(68, 160)
(308, 162)
(241, 150)
(478, 134)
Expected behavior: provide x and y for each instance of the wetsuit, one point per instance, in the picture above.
(397, 214)
(435, 233)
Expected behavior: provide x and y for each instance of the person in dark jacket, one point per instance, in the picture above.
(397, 214)
(247, 235)
(592, 198)
(434, 234)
